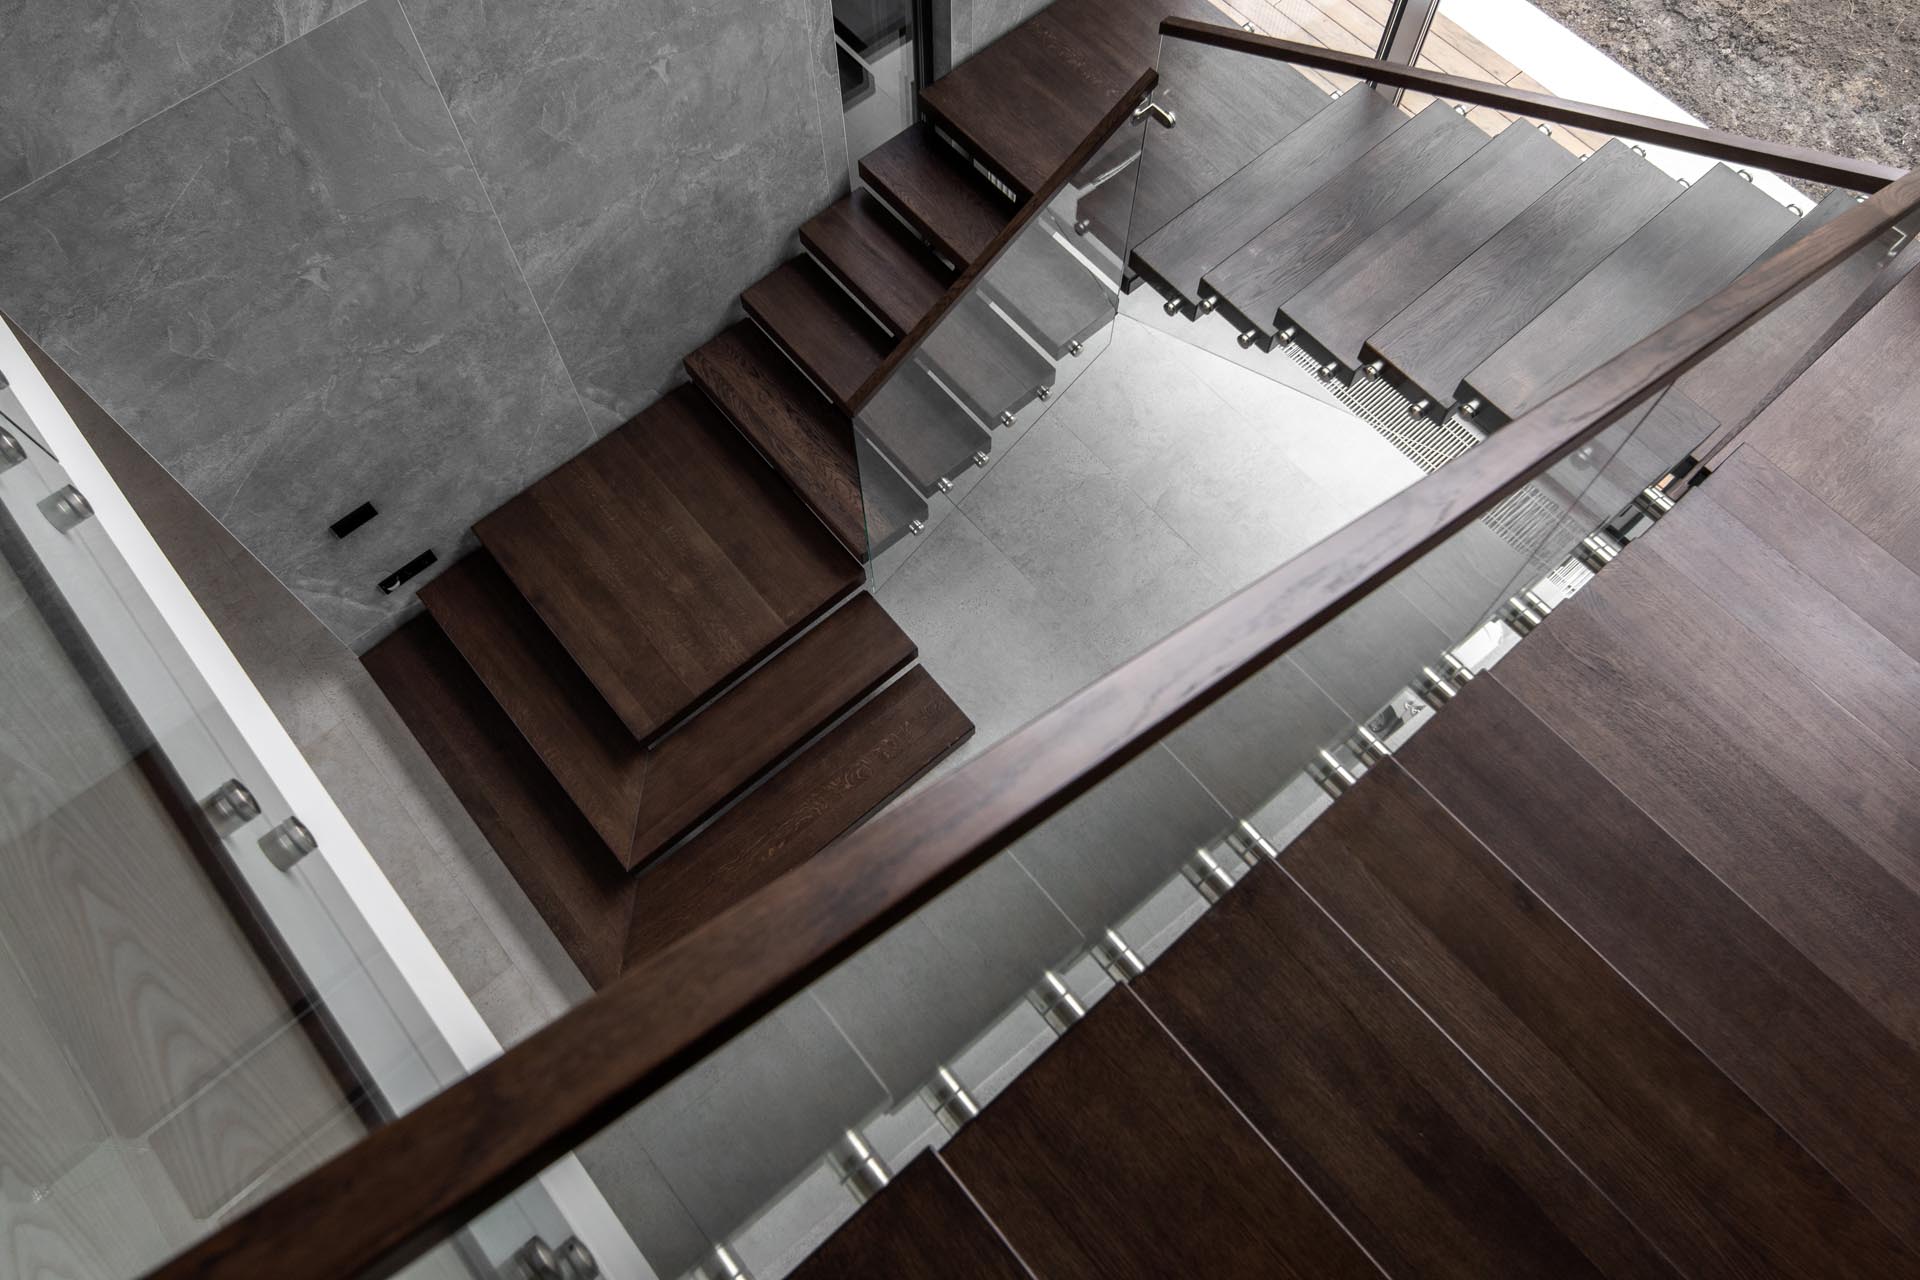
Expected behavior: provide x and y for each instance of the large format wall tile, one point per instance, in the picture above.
(648, 160)
(292, 291)
(77, 73)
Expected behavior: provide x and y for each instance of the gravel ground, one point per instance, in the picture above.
(1841, 75)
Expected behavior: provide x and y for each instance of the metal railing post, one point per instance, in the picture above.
(1403, 36)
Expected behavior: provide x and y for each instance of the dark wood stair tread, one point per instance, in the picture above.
(1264, 274)
(1262, 192)
(1381, 275)
(922, 1226)
(923, 430)
(1707, 1175)
(877, 261)
(989, 366)
(668, 559)
(1694, 246)
(926, 183)
(556, 857)
(819, 326)
(806, 439)
(641, 800)
(1230, 108)
(1431, 1167)
(840, 778)
(895, 509)
(1448, 330)
(1080, 1160)
(1048, 292)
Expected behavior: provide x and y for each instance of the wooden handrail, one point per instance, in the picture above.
(1788, 161)
(963, 283)
(408, 1185)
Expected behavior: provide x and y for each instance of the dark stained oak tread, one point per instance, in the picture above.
(1262, 192)
(1419, 1155)
(1346, 305)
(1263, 275)
(840, 778)
(668, 559)
(922, 1227)
(819, 326)
(872, 256)
(807, 440)
(922, 429)
(1049, 293)
(927, 184)
(1448, 330)
(1708, 235)
(641, 799)
(1705, 1174)
(556, 857)
(990, 367)
(1114, 1156)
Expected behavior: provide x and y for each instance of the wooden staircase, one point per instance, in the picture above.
(1611, 970)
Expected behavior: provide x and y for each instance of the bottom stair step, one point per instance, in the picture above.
(855, 768)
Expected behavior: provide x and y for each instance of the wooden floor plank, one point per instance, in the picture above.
(1448, 330)
(668, 559)
(1435, 1172)
(1801, 1047)
(1706, 1175)
(1114, 1156)
(922, 1227)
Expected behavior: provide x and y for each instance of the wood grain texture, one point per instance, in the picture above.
(1049, 293)
(1704, 1173)
(1263, 275)
(1434, 1171)
(992, 369)
(922, 1227)
(819, 326)
(929, 186)
(1843, 430)
(870, 253)
(1261, 192)
(47, 1123)
(639, 799)
(1114, 1156)
(1694, 246)
(553, 854)
(839, 779)
(1448, 330)
(668, 559)
(1230, 107)
(1773, 1022)
(807, 440)
(1382, 274)
(922, 429)
(1759, 775)
(1787, 161)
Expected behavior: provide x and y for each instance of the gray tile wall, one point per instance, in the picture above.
(415, 254)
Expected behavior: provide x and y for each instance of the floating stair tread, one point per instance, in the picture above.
(1705, 1174)
(922, 429)
(1691, 248)
(1767, 1016)
(1263, 275)
(1433, 1169)
(1262, 192)
(816, 323)
(640, 800)
(922, 1226)
(807, 440)
(873, 257)
(1048, 292)
(840, 778)
(989, 366)
(895, 510)
(1448, 330)
(668, 559)
(555, 856)
(1230, 107)
(1078, 1160)
(1385, 272)
(937, 193)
